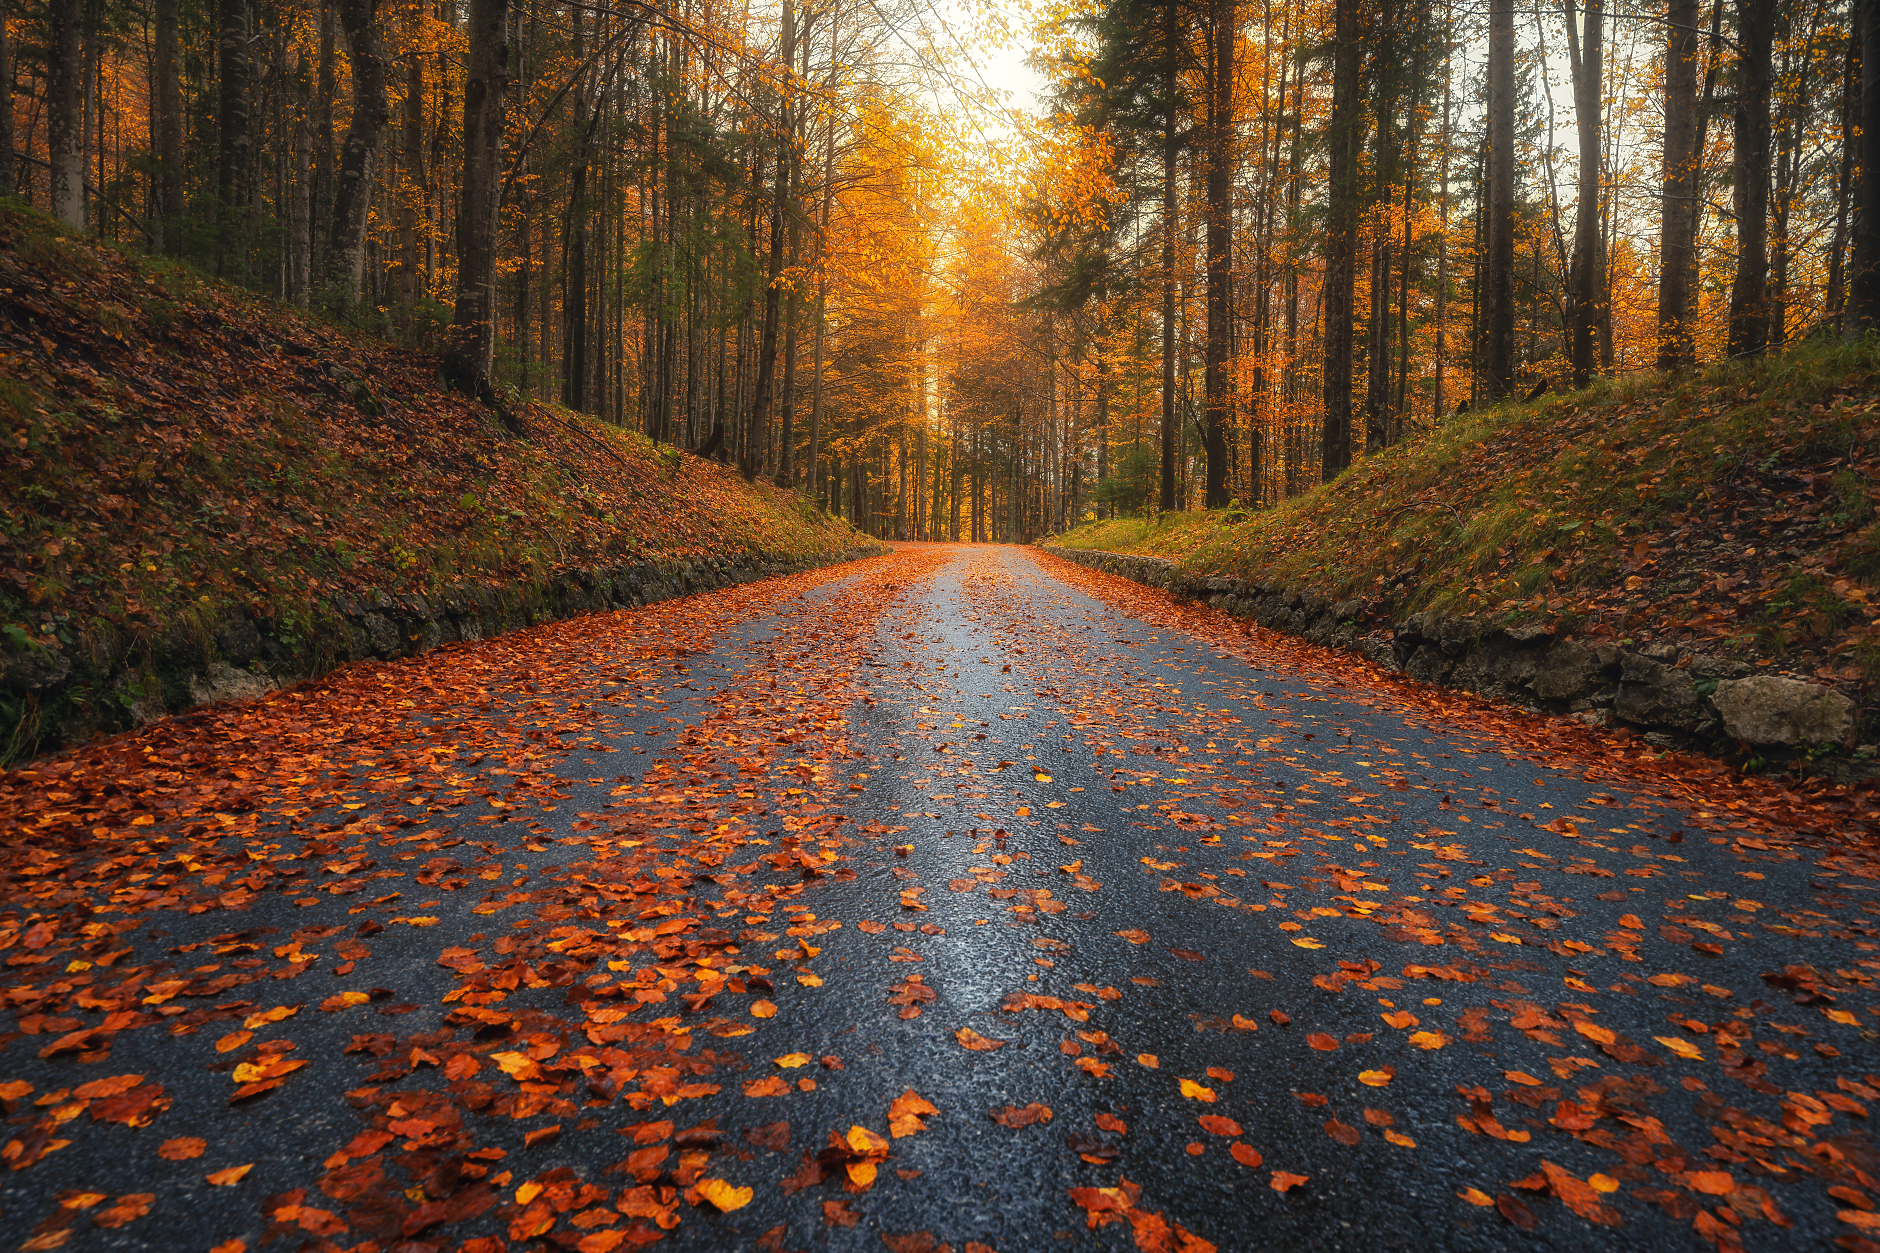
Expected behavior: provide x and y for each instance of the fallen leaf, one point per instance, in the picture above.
(763, 1009)
(1246, 1155)
(1284, 1182)
(1196, 1092)
(181, 1149)
(233, 1175)
(1134, 936)
(1377, 1078)
(1344, 1133)
(1215, 1124)
(1475, 1196)
(1322, 1042)
(726, 1197)
(1014, 1117)
(971, 1039)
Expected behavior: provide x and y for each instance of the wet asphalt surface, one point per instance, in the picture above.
(1018, 735)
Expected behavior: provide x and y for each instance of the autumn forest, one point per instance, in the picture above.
(1235, 246)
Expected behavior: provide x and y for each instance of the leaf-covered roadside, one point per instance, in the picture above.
(1731, 510)
(177, 451)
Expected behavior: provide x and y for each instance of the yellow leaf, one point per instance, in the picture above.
(864, 1141)
(1197, 1092)
(1682, 1047)
(1603, 1183)
(1306, 941)
(763, 1009)
(1842, 1016)
(1428, 1039)
(1475, 1196)
(724, 1195)
(861, 1174)
(790, 1061)
(277, 1014)
(1375, 1078)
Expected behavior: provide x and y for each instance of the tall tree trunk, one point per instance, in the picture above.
(352, 201)
(1377, 320)
(1343, 143)
(411, 194)
(233, 130)
(166, 128)
(822, 279)
(65, 121)
(472, 342)
(1749, 293)
(1220, 248)
(1441, 353)
(1585, 289)
(1676, 223)
(767, 351)
(1497, 312)
(1850, 144)
(1863, 294)
(1170, 149)
(7, 182)
(574, 258)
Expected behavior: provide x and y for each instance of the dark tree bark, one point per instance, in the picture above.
(166, 127)
(352, 201)
(767, 351)
(1344, 141)
(1863, 295)
(472, 342)
(1171, 53)
(1844, 185)
(1749, 293)
(1675, 220)
(1220, 248)
(234, 136)
(65, 121)
(7, 186)
(1586, 288)
(1497, 307)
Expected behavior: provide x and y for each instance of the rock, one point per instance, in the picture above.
(1528, 632)
(1653, 694)
(381, 635)
(225, 682)
(1768, 709)
(1566, 671)
(33, 669)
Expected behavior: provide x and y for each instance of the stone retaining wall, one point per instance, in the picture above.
(67, 696)
(1676, 697)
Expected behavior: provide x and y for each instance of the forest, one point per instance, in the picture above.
(1231, 248)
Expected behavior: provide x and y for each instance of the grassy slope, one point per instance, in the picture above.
(1732, 509)
(175, 449)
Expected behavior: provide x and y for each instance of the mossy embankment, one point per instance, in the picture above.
(1730, 510)
(206, 491)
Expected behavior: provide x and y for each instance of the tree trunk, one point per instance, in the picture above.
(1584, 286)
(411, 192)
(822, 281)
(1220, 248)
(65, 123)
(1749, 294)
(1497, 312)
(1170, 148)
(166, 128)
(767, 350)
(7, 182)
(1343, 142)
(352, 202)
(232, 124)
(1850, 144)
(1676, 223)
(1863, 295)
(472, 342)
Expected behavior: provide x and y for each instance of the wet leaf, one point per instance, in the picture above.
(232, 1175)
(1284, 1182)
(971, 1039)
(724, 1196)
(1246, 1155)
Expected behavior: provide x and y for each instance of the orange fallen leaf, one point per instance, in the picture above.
(1285, 1182)
(1710, 1182)
(1376, 1078)
(1596, 1033)
(233, 1040)
(1215, 1124)
(1475, 1196)
(1197, 1092)
(233, 1175)
(763, 1009)
(971, 1039)
(1399, 1139)
(1134, 936)
(1322, 1042)
(1150, 1060)
(723, 1195)
(1246, 1155)
(1428, 1039)
(181, 1149)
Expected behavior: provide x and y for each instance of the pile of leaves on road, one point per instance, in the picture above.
(1731, 510)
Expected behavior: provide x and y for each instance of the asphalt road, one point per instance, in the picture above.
(1237, 909)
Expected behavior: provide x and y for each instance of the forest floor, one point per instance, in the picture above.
(176, 449)
(1731, 510)
(959, 898)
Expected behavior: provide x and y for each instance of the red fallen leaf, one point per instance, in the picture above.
(1314, 1100)
(648, 1132)
(1579, 1196)
(1110, 1122)
(1279, 1017)
(1014, 1117)
(540, 1134)
(1285, 1182)
(971, 1039)
(812, 1172)
(914, 1242)
(1379, 1118)
(127, 1210)
(872, 927)
(1219, 1126)
(838, 1214)
(1515, 1212)
(352, 1181)
(911, 995)
(1344, 1133)
(774, 1136)
(1322, 1042)
(99, 1088)
(1246, 1155)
